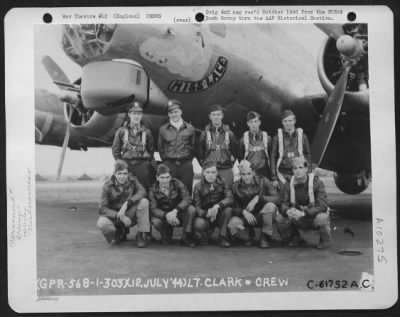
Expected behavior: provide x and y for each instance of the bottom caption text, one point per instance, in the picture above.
(161, 283)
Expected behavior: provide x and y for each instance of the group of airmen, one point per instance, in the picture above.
(276, 189)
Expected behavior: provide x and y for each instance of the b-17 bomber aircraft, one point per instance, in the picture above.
(259, 67)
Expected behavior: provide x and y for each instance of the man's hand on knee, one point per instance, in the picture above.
(294, 213)
(249, 217)
(126, 221)
(212, 213)
(172, 218)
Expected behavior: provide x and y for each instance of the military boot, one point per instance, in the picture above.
(201, 238)
(124, 234)
(140, 240)
(187, 240)
(166, 235)
(324, 237)
(119, 231)
(264, 238)
(223, 242)
(296, 240)
(251, 240)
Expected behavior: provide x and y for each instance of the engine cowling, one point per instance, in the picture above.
(330, 66)
(354, 183)
(108, 87)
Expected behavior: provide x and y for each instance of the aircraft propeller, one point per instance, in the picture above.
(351, 50)
(61, 80)
(332, 30)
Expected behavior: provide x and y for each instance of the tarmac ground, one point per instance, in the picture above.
(73, 257)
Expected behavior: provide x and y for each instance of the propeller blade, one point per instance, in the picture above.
(38, 135)
(332, 30)
(327, 123)
(65, 144)
(56, 73)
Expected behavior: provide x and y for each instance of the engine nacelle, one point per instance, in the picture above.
(109, 86)
(352, 183)
(330, 68)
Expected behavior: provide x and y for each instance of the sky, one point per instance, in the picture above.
(96, 161)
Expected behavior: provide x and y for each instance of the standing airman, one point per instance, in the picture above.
(176, 145)
(134, 144)
(287, 144)
(255, 145)
(218, 143)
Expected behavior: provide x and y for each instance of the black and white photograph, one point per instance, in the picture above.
(232, 155)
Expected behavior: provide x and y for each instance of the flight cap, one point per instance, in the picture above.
(174, 104)
(287, 113)
(208, 164)
(252, 115)
(135, 107)
(245, 165)
(300, 160)
(215, 107)
(120, 165)
(162, 169)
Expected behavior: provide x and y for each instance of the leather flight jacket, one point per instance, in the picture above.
(114, 195)
(206, 195)
(176, 145)
(178, 198)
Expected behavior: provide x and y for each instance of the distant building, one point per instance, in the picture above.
(85, 177)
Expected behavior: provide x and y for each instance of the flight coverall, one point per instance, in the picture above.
(316, 214)
(113, 196)
(137, 152)
(219, 148)
(290, 150)
(205, 196)
(160, 204)
(257, 155)
(177, 148)
(264, 211)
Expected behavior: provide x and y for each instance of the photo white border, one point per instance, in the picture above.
(20, 146)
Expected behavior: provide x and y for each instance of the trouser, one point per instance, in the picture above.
(202, 224)
(144, 172)
(264, 217)
(265, 171)
(227, 175)
(186, 219)
(138, 214)
(289, 227)
(182, 170)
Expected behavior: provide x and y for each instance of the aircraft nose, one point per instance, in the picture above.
(87, 41)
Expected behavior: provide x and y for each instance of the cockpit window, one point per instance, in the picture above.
(82, 41)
